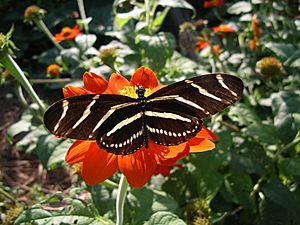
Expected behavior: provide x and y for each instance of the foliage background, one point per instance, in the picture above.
(252, 177)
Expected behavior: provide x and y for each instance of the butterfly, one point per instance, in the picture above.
(122, 125)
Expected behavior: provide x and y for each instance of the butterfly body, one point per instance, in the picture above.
(122, 125)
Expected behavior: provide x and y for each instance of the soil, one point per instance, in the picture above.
(18, 170)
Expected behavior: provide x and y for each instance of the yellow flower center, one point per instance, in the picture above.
(130, 91)
(66, 31)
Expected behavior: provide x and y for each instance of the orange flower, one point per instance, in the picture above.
(201, 45)
(98, 165)
(67, 33)
(213, 3)
(53, 70)
(204, 44)
(252, 44)
(222, 28)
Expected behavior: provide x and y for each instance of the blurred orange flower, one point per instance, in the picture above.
(204, 44)
(98, 165)
(213, 3)
(67, 33)
(223, 29)
(53, 70)
(256, 30)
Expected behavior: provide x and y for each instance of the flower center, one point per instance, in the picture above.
(66, 31)
(130, 91)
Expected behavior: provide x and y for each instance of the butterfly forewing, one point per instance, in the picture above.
(81, 117)
(205, 95)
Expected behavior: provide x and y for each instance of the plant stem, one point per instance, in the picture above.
(7, 195)
(16, 71)
(83, 15)
(122, 191)
(41, 25)
(20, 95)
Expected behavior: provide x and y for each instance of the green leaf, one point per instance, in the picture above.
(240, 7)
(279, 194)
(85, 41)
(282, 50)
(264, 133)
(176, 4)
(164, 218)
(290, 167)
(285, 104)
(51, 151)
(251, 159)
(243, 114)
(150, 201)
(237, 189)
(43, 217)
(156, 49)
(207, 164)
(156, 24)
(122, 19)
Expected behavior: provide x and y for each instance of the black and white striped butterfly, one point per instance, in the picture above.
(122, 125)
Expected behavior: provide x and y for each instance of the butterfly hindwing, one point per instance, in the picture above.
(123, 132)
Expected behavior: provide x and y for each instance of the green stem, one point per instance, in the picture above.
(83, 15)
(20, 95)
(16, 71)
(41, 25)
(7, 195)
(109, 184)
(122, 191)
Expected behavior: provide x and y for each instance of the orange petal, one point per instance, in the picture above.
(77, 151)
(145, 77)
(98, 165)
(116, 82)
(138, 167)
(206, 133)
(168, 154)
(200, 145)
(94, 83)
(70, 91)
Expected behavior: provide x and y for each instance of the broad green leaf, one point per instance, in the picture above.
(285, 104)
(85, 41)
(279, 194)
(48, 56)
(156, 49)
(150, 201)
(122, 19)
(240, 7)
(290, 167)
(238, 188)
(176, 4)
(43, 217)
(271, 213)
(282, 50)
(243, 114)
(155, 26)
(251, 159)
(207, 163)
(264, 133)
(51, 151)
(164, 218)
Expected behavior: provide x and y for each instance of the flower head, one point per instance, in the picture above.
(32, 13)
(213, 3)
(67, 33)
(205, 44)
(98, 164)
(223, 28)
(53, 70)
(269, 67)
(108, 56)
